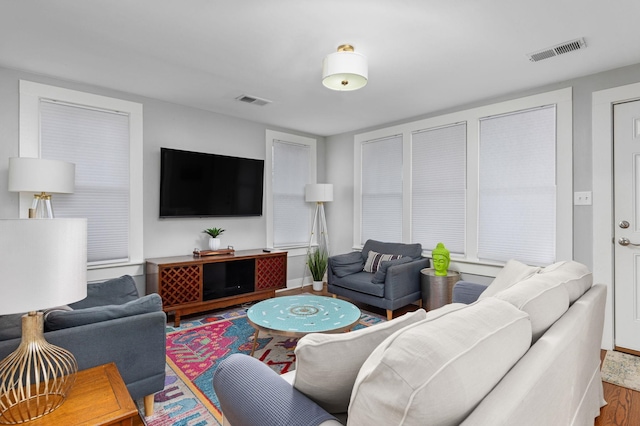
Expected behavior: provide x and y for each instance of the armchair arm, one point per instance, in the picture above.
(467, 292)
(251, 393)
(404, 279)
(345, 264)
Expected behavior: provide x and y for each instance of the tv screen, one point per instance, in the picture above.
(194, 184)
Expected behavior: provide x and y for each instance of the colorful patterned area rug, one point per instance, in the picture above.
(193, 352)
(621, 369)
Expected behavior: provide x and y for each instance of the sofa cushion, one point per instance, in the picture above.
(542, 297)
(361, 281)
(111, 292)
(327, 364)
(346, 264)
(374, 259)
(512, 273)
(10, 326)
(436, 371)
(381, 273)
(57, 320)
(575, 276)
(414, 251)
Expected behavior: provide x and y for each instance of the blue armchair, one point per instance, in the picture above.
(112, 324)
(394, 281)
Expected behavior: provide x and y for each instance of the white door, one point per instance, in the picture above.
(626, 165)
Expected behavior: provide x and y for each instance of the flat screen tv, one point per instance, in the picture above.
(194, 184)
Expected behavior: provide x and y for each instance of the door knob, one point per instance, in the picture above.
(623, 224)
(625, 242)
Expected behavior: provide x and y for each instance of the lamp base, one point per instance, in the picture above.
(41, 206)
(36, 378)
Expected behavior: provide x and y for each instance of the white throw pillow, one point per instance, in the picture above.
(575, 276)
(327, 364)
(436, 371)
(512, 273)
(544, 298)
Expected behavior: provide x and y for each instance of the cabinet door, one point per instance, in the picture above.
(271, 272)
(180, 284)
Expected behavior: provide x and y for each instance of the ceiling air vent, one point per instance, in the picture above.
(559, 49)
(253, 100)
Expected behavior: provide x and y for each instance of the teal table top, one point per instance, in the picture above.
(303, 314)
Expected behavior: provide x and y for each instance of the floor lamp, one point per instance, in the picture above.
(318, 193)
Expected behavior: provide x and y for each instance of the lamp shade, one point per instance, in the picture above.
(43, 263)
(41, 175)
(319, 192)
(345, 69)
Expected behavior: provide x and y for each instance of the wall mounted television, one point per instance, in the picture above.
(195, 184)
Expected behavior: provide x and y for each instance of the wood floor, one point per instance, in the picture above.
(623, 405)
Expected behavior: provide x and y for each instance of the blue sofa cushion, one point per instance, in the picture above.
(412, 250)
(116, 291)
(57, 320)
(10, 326)
(381, 273)
(347, 264)
(361, 281)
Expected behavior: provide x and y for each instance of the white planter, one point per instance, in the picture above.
(214, 243)
(318, 286)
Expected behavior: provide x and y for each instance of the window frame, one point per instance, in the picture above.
(30, 95)
(270, 136)
(470, 263)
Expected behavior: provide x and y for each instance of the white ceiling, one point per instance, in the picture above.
(424, 55)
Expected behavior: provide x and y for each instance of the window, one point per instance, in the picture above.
(382, 190)
(103, 138)
(290, 165)
(517, 187)
(439, 178)
(492, 183)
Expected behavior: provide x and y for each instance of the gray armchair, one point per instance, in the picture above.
(112, 324)
(395, 283)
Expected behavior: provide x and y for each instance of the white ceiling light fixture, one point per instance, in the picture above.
(345, 69)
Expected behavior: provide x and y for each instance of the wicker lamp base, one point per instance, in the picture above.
(36, 378)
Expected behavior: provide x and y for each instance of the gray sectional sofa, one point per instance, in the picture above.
(113, 324)
(525, 353)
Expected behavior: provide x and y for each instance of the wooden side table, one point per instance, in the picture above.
(437, 290)
(98, 397)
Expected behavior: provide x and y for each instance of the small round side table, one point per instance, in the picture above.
(437, 290)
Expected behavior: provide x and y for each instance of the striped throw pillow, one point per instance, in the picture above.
(374, 259)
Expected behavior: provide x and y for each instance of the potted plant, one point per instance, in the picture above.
(317, 261)
(214, 241)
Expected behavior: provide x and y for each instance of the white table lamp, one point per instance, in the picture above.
(44, 265)
(43, 177)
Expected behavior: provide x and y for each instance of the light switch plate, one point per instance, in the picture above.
(582, 198)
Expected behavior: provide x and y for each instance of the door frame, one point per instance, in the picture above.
(602, 184)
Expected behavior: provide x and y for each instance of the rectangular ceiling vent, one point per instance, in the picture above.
(559, 49)
(253, 100)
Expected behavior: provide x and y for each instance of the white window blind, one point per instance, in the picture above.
(382, 190)
(97, 141)
(438, 181)
(517, 187)
(291, 214)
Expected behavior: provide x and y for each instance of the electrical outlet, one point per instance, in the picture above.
(582, 198)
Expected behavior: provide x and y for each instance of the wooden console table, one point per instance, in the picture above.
(98, 397)
(189, 284)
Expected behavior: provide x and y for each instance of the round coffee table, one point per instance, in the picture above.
(295, 316)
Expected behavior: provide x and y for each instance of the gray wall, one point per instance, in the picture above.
(340, 159)
(165, 125)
